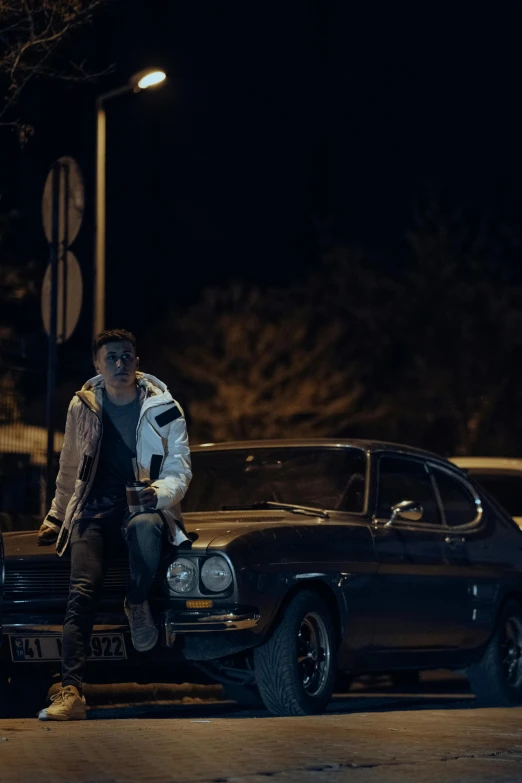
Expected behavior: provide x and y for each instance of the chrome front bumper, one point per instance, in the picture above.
(175, 621)
(200, 622)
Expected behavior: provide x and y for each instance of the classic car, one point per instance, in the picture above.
(305, 558)
(501, 477)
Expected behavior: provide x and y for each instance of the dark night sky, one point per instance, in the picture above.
(275, 115)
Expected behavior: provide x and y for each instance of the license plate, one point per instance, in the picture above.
(107, 647)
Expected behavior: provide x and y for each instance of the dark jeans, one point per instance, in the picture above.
(94, 545)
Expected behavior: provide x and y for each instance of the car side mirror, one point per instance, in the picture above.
(406, 509)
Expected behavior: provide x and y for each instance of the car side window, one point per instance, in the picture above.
(405, 479)
(458, 502)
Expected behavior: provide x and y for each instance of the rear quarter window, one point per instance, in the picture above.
(507, 490)
(457, 500)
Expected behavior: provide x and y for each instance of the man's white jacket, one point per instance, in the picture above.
(162, 455)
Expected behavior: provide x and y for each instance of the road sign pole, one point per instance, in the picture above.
(61, 301)
(64, 248)
(99, 250)
(51, 358)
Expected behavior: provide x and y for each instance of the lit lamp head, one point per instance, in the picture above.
(150, 77)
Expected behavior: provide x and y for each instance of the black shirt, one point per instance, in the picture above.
(117, 455)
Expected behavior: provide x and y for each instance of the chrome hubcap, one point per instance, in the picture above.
(512, 652)
(313, 653)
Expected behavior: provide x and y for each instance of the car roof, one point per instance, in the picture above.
(497, 464)
(340, 443)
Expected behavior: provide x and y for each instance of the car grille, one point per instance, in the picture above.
(26, 580)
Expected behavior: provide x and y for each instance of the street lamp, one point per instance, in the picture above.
(142, 80)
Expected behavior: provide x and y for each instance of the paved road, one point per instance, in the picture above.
(435, 733)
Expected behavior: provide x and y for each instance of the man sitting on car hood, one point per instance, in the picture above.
(123, 425)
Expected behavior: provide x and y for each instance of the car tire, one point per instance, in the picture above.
(496, 679)
(245, 695)
(295, 668)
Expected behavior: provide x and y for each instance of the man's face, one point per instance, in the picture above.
(117, 362)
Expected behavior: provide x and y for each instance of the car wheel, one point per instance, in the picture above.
(496, 679)
(246, 695)
(295, 667)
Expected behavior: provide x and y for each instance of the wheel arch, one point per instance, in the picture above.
(506, 597)
(487, 672)
(324, 591)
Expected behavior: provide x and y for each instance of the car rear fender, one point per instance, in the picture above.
(505, 597)
(510, 595)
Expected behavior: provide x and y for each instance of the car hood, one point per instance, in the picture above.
(23, 544)
(216, 529)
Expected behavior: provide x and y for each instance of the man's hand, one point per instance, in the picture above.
(47, 535)
(148, 497)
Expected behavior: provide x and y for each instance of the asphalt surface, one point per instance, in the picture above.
(162, 734)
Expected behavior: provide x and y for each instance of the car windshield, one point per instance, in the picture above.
(321, 478)
(507, 490)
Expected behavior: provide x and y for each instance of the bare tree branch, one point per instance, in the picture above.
(263, 368)
(32, 36)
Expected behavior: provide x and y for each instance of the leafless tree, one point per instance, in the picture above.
(262, 366)
(19, 294)
(19, 276)
(10, 401)
(32, 37)
(459, 321)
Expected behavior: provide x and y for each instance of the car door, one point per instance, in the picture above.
(413, 594)
(482, 550)
(462, 516)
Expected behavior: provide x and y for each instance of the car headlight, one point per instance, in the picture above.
(216, 574)
(182, 575)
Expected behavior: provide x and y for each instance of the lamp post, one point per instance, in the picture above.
(140, 81)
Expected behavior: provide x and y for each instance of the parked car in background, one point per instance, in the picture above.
(499, 476)
(305, 558)
(2, 574)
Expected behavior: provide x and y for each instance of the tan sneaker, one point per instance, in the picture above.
(144, 633)
(67, 704)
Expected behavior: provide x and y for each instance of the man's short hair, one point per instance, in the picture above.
(112, 336)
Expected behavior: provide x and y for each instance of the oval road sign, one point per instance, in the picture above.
(70, 293)
(70, 208)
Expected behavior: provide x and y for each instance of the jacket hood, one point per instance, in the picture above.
(149, 386)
